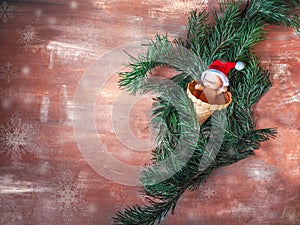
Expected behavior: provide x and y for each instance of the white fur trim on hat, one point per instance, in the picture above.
(219, 74)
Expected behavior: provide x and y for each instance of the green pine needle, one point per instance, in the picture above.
(186, 153)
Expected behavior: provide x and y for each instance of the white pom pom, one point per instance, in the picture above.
(239, 66)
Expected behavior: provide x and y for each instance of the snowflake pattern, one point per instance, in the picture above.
(6, 12)
(17, 138)
(209, 192)
(68, 196)
(27, 36)
(8, 72)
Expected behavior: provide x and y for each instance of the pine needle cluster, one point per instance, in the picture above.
(187, 152)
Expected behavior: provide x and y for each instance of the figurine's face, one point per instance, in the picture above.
(212, 81)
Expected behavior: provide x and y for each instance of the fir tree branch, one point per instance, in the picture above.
(278, 12)
(231, 38)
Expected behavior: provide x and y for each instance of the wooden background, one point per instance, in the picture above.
(72, 142)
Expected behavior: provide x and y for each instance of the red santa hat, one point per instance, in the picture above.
(221, 69)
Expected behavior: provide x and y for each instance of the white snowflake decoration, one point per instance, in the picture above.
(209, 192)
(69, 197)
(6, 12)
(8, 72)
(27, 36)
(17, 138)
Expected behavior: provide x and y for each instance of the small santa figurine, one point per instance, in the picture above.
(214, 81)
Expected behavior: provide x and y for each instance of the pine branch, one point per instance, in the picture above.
(160, 52)
(163, 202)
(197, 30)
(187, 153)
(147, 215)
(278, 12)
(134, 79)
(174, 118)
(224, 32)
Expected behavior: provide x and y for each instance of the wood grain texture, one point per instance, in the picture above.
(56, 54)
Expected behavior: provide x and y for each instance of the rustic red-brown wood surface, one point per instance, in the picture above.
(72, 143)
